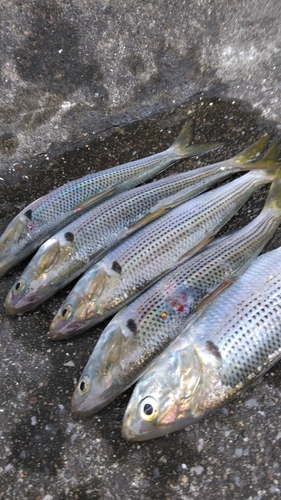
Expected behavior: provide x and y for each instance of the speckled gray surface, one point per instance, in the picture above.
(160, 54)
(48, 452)
(71, 68)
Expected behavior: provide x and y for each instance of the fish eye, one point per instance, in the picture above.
(66, 312)
(84, 386)
(19, 287)
(149, 409)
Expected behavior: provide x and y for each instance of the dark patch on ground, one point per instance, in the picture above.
(8, 144)
(50, 54)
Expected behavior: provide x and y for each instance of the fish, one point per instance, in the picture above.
(134, 265)
(235, 340)
(80, 244)
(45, 216)
(143, 329)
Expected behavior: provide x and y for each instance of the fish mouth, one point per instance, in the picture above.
(134, 431)
(16, 306)
(23, 297)
(93, 406)
(106, 391)
(60, 329)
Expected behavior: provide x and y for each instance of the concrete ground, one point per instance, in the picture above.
(48, 452)
(85, 86)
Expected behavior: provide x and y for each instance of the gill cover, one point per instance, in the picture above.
(79, 305)
(163, 396)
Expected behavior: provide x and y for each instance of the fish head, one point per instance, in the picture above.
(77, 313)
(17, 233)
(164, 399)
(40, 279)
(100, 382)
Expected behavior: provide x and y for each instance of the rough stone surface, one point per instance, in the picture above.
(73, 68)
(69, 70)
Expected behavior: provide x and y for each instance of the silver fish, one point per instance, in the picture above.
(151, 252)
(235, 340)
(80, 244)
(31, 227)
(141, 331)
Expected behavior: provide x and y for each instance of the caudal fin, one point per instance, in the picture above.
(183, 147)
(273, 200)
(251, 153)
(269, 161)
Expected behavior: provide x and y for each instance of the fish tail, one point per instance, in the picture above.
(183, 147)
(251, 153)
(268, 163)
(273, 200)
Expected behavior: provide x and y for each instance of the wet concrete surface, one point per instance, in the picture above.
(48, 454)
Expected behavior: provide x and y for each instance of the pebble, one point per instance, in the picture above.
(69, 363)
(238, 452)
(51, 428)
(9, 467)
(251, 403)
(200, 445)
(156, 472)
(198, 470)
(274, 489)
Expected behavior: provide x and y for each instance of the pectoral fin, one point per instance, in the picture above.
(160, 209)
(147, 218)
(97, 197)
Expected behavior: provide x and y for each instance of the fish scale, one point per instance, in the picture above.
(92, 184)
(151, 252)
(165, 307)
(157, 248)
(252, 336)
(234, 341)
(79, 245)
(49, 213)
(138, 333)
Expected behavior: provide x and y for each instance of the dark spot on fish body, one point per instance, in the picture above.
(28, 214)
(132, 326)
(116, 267)
(69, 236)
(213, 349)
